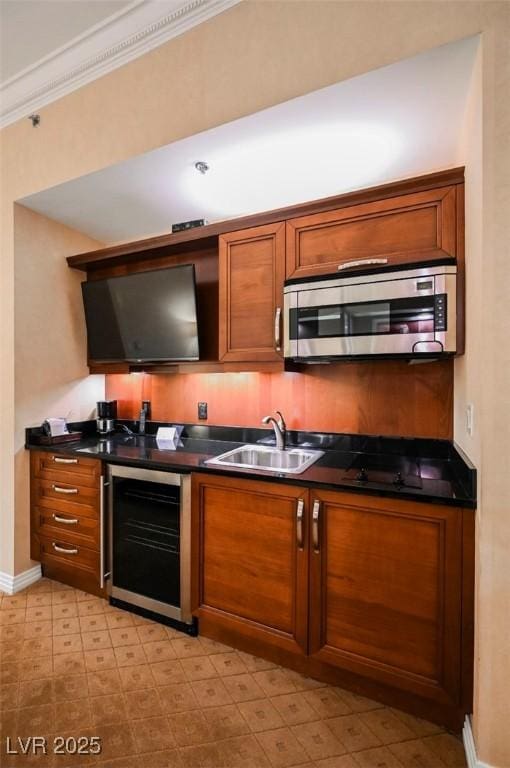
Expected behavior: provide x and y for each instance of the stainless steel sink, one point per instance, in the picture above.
(262, 457)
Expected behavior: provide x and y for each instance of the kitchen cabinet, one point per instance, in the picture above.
(66, 518)
(362, 591)
(386, 589)
(250, 564)
(251, 274)
(408, 228)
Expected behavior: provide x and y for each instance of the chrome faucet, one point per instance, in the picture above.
(280, 429)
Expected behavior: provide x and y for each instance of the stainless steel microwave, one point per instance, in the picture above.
(402, 313)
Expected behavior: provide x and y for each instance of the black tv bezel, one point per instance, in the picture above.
(145, 360)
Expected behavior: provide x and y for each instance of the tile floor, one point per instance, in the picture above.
(72, 665)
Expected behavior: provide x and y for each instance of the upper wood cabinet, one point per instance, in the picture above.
(407, 228)
(386, 591)
(251, 572)
(251, 275)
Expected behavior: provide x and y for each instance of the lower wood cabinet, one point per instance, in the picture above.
(371, 593)
(66, 524)
(250, 575)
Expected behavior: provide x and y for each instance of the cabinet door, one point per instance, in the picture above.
(252, 270)
(385, 597)
(403, 229)
(250, 571)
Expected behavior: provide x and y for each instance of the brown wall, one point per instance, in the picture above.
(390, 398)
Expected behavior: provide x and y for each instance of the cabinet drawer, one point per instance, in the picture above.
(66, 468)
(404, 229)
(65, 497)
(60, 550)
(79, 529)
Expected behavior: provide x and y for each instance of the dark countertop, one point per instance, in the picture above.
(445, 475)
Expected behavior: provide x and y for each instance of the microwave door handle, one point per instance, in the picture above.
(361, 263)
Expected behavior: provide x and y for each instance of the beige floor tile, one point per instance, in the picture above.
(93, 623)
(39, 613)
(38, 629)
(130, 655)
(228, 664)
(69, 663)
(9, 696)
(179, 697)
(326, 702)
(36, 692)
(34, 669)
(67, 644)
(13, 602)
(109, 709)
(282, 748)
(64, 611)
(10, 651)
(275, 682)
(105, 682)
(91, 607)
(190, 728)
(68, 688)
(168, 672)
(142, 704)
(379, 757)
(33, 600)
(448, 748)
(73, 716)
(96, 641)
(119, 620)
(294, 708)
(14, 632)
(198, 668)
(358, 703)
(317, 740)
(255, 663)
(124, 636)
(187, 647)
(418, 726)
(14, 616)
(243, 687)
(153, 734)
(226, 722)
(166, 758)
(159, 650)
(387, 726)
(260, 715)
(10, 672)
(353, 733)
(244, 751)
(116, 740)
(42, 646)
(66, 626)
(39, 720)
(202, 756)
(213, 646)
(345, 761)
(63, 596)
(96, 661)
(136, 678)
(211, 693)
(150, 633)
(415, 754)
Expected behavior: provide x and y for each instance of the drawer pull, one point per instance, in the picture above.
(64, 550)
(65, 520)
(58, 489)
(58, 460)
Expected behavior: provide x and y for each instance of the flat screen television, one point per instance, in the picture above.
(143, 317)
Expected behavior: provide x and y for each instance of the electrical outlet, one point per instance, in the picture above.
(470, 418)
(202, 410)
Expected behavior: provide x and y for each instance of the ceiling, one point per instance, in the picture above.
(30, 30)
(395, 122)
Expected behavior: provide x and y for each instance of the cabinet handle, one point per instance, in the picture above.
(65, 520)
(299, 522)
(73, 551)
(361, 263)
(58, 460)
(315, 525)
(277, 324)
(58, 489)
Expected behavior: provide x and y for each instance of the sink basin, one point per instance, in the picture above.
(291, 461)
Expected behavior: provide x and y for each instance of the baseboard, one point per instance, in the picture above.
(13, 584)
(469, 746)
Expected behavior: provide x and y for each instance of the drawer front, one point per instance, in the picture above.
(61, 551)
(66, 497)
(66, 468)
(77, 529)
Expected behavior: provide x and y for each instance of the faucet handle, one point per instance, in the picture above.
(281, 421)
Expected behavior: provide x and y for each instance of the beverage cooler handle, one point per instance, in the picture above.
(315, 525)
(102, 574)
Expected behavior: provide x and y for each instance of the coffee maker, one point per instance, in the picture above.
(106, 415)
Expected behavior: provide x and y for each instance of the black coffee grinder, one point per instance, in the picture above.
(106, 415)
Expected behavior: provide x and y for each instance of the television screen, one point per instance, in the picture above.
(144, 317)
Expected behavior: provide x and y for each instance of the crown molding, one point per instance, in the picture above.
(136, 29)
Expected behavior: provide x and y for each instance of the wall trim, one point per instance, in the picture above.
(470, 747)
(12, 584)
(134, 30)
